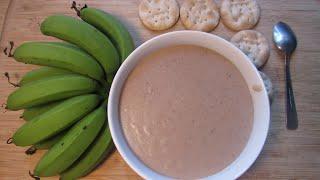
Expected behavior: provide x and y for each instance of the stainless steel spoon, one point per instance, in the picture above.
(285, 40)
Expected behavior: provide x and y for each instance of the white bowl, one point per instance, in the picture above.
(221, 46)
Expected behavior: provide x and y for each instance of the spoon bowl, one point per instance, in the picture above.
(284, 38)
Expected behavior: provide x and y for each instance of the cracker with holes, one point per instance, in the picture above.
(199, 15)
(240, 14)
(159, 14)
(268, 84)
(254, 45)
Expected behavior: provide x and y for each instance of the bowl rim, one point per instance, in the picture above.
(260, 101)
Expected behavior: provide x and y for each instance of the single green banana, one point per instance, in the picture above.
(41, 73)
(45, 144)
(50, 89)
(60, 56)
(30, 113)
(85, 36)
(55, 120)
(94, 155)
(63, 154)
(112, 28)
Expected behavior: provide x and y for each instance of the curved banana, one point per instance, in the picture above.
(59, 56)
(55, 120)
(93, 156)
(30, 113)
(41, 73)
(63, 154)
(45, 144)
(112, 28)
(85, 36)
(50, 89)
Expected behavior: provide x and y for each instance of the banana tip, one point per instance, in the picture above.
(33, 176)
(10, 141)
(31, 150)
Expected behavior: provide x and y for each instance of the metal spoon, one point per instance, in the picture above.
(285, 40)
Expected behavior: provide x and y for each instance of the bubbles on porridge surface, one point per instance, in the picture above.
(149, 90)
(133, 126)
(146, 130)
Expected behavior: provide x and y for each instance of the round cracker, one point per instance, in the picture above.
(159, 14)
(200, 15)
(268, 84)
(240, 14)
(254, 45)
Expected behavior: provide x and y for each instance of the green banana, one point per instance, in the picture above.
(30, 113)
(50, 89)
(93, 156)
(59, 56)
(111, 27)
(63, 154)
(55, 120)
(45, 144)
(41, 73)
(85, 36)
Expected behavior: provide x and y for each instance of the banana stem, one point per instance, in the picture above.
(103, 93)
(104, 84)
(105, 103)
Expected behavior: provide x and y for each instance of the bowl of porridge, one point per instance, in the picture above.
(188, 105)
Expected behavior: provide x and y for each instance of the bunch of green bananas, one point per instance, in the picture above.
(65, 101)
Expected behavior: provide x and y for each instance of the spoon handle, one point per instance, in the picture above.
(292, 119)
